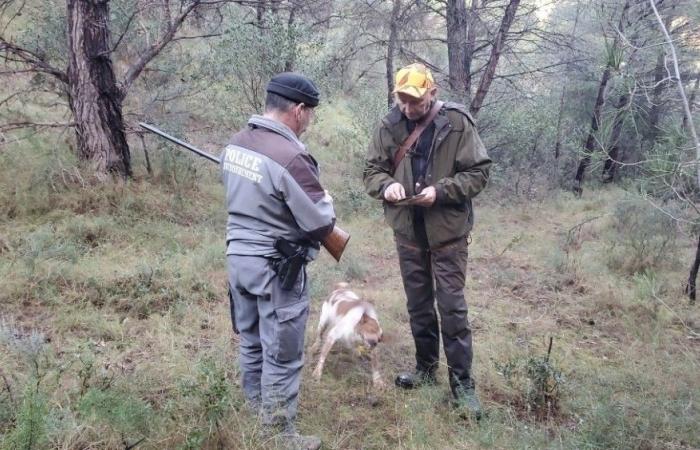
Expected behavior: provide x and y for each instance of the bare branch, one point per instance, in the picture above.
(36, 62)
(125, 30)
(153, 51)
(487, 77)
(686, 106)
(200, 36)
(539, 69)
(21, 125)
(14, 16)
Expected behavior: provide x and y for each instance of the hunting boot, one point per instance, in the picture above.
(296, 441)
(466, 402)
(412, 380)
(289, 439)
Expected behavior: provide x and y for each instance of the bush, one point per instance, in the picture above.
(30, 422)
(210, 393)
(536, 383)
(119, 411)
(26, 417)
(642, 238)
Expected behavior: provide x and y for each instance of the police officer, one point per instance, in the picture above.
(446, 163)
(275, 202)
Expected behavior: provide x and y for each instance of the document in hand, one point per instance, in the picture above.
(409, 200)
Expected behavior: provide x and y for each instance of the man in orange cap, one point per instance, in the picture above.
(426, 162)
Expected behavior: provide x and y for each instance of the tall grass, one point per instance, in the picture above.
(116, 329)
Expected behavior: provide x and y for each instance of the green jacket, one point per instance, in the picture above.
(458, 167)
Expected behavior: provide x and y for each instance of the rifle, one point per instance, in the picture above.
(335, 242)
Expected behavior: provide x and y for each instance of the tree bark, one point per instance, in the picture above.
(469, 51)
(654, 113)
(291, 41)
(560, 116)
(94, 97)
(457, 45)
(496, 49)
(614, 155)
(391, 50)
(595, 124)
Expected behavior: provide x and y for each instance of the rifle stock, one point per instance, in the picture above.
(335, 242)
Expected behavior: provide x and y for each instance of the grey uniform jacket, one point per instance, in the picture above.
(272, 190)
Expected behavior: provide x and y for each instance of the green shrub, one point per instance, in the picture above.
(536, 384)
(641, 237)
(26, 416)
(29, 431)
(210, 393)
(116, 410)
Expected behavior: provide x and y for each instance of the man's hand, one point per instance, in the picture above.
(327, 195)
(429, 199)
(394, 193)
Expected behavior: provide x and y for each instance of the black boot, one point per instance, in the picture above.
(412, 380)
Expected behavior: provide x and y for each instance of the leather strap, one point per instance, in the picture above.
(415, 134)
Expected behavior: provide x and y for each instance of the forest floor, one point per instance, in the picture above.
(115, 328)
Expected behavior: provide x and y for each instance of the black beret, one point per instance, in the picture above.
(294, 87)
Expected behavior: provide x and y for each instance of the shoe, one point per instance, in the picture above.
(290, 439)
(412, 380)
(298, 442)
(466, 402)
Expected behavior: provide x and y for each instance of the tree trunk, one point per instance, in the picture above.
(95, 98)
(691, 101)
(496, 49)
(560, 116)
(614, 155)
(457, 46)
(391, 50)
(690, 287)
(260, 13)
(472, 20)
(654, 113)
(590, 140)
(291, 41)
(598, 107)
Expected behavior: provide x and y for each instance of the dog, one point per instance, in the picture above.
(353, 321)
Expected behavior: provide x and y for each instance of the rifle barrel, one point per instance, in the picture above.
(335, 243)
(177, 141)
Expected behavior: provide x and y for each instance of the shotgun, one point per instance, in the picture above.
(335, 242)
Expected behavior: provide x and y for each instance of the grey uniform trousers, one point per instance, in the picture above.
(272, 323)
(430, 275)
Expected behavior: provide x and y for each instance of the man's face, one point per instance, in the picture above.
(415, 108)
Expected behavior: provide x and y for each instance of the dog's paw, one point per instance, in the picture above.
(316, 375)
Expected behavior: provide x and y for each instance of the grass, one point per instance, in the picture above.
(116, 327)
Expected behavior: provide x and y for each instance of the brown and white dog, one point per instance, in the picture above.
(353, 321)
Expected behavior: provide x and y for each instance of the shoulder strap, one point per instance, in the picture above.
(415, 134)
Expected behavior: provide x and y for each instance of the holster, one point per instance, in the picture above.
(293, 260)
